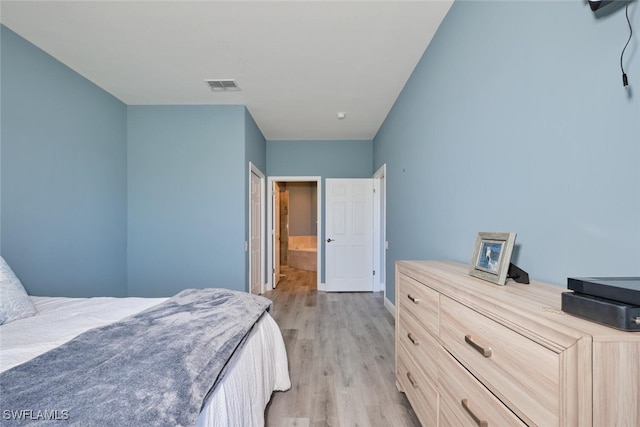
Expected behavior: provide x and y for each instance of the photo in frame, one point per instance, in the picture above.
(492, 256)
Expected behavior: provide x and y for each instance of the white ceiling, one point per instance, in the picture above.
(298, 63)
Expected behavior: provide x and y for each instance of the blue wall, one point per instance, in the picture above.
(255, 148)
(103, 199)
(187, 200)
(516, 120)
(63, 176)
(327, 159)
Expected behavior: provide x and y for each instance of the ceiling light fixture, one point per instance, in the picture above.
(218, 85)
(341, 115)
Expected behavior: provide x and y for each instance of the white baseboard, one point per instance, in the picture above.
(389, 306)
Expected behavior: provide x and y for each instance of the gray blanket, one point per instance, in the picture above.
(155, 368)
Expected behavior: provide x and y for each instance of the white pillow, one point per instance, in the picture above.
(14, 302)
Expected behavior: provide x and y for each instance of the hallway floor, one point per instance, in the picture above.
(341, 358)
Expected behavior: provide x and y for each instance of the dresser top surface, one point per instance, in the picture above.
(536, 302)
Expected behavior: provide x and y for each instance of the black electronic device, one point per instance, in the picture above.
(609, 5)
(612, 301)
(596, 4)
(622, 289)
(616, 314)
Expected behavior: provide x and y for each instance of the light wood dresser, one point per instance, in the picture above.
(472, 353)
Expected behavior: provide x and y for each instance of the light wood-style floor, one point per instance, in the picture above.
(341, 358)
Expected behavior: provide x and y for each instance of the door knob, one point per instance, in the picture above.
(329, 240)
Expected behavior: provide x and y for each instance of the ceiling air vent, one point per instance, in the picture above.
(218, 85)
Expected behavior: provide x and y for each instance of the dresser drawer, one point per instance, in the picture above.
(419, 300)
(465, 402)
(522, 373)
(421, 392)
(419, 343)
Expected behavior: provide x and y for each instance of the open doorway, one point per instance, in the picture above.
(295, 221)
(298, 228)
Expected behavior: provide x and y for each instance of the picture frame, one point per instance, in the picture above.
(492, 256)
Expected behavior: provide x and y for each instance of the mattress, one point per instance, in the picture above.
(260, 368)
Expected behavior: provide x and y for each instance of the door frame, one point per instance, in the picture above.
(253, 170)
(380, 225)
(270, 219)
(277, 233)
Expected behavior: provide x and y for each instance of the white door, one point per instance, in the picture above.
(256, 234)
(349, 235)
(276, 234)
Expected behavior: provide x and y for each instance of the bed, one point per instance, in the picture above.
(256, 368)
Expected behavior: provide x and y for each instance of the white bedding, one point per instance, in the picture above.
(239, 400)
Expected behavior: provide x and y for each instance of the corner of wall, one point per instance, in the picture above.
(389, 306)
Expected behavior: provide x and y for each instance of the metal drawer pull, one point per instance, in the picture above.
(411, 380)
(486, 352)
(412, 339)
(481, 423)
(412, 298)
